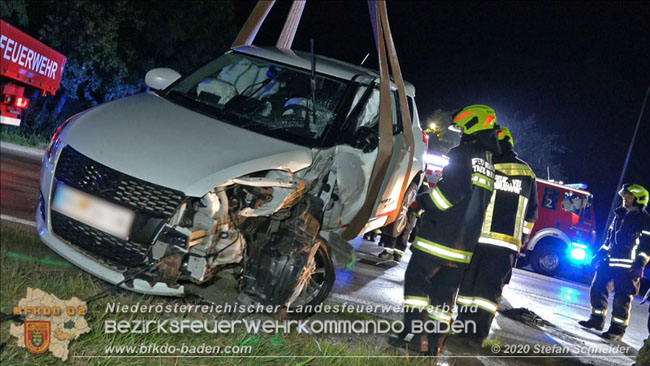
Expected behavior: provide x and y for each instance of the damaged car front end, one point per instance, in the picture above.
(237, 168)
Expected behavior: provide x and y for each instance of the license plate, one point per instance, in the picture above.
(93, 211)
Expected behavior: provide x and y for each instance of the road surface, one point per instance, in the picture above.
(558, 301)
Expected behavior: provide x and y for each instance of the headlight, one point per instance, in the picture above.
(52, 147)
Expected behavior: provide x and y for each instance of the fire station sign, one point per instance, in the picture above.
(28, 60)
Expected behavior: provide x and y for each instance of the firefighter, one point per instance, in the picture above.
(394, 247)
(509, 219)
(450, 228)
(620, 262)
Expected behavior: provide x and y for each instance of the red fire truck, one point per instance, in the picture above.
(25, 63)
(565, 232)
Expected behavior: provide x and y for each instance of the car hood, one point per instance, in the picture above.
(153, 139)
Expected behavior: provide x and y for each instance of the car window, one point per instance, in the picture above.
(586, 212)
(397, 115)
(550, 198)
(369, 113)
(572, 203)
(411, 103)
(263, 96)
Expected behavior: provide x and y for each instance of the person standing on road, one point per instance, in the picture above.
(450, 228)
(394, 247)
(620, 262)
(509, 219)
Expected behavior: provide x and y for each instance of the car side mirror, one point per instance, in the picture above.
(160, 78)
(366, 139)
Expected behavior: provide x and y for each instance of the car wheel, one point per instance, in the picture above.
(313, 286)
(546, 259)
(396, 228)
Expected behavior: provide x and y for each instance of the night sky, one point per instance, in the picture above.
(582, 68)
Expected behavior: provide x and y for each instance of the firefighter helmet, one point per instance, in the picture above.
(640, 194)
(504, 133)
(473, 119)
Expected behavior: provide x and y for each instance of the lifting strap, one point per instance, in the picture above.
(404, 109)
(248, 32)
(387, 56)
(291, 25)
(383, 40)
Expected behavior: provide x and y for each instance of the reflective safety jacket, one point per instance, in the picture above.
(455, 208)
(628, 240)
(512, 211)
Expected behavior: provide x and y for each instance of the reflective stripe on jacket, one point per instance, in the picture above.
(512, 211)
(628, 239)
(455, 208)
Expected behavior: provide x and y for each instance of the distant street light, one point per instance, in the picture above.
(432, 128)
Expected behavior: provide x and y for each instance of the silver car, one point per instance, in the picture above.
(249, 165)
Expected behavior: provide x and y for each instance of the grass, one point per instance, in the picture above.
(25, 262)
(20, 272)
(14, 135)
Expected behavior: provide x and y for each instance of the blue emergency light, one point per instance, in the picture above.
(579, 253)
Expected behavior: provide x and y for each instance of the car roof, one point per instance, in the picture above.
(324, 65)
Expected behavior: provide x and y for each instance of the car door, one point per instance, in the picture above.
(354, 159)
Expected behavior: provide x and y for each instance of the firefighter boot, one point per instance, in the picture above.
(397, 255)
(436, 341)
(418, 343)
(594, 322)
(614, 333)
(386, 254)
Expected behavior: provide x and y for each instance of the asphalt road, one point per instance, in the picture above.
(558, 301)
(19, 183)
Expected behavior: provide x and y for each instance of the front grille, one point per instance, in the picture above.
(152, 203)
(118, 252)
(85, 174)
(41, 205)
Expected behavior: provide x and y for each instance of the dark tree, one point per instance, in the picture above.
(535, 145)
(111, 45)
(440, 138)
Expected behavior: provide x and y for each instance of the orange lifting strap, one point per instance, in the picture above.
(387, 56)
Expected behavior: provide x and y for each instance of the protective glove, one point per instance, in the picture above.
(598, 258)
(596, 261)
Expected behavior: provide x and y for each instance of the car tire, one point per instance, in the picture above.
(396, 227)
(319, 284)
(546, 259)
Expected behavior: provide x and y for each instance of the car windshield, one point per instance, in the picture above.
(262, 96)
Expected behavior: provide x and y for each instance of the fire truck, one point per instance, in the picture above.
(25, 63)
(565, 232)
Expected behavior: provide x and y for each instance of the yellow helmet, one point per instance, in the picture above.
(473, 119)
(504, 133)
(640, 193)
